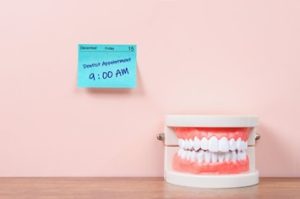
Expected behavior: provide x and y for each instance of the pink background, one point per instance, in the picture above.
(206, 57)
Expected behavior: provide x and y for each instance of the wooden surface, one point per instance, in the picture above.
(283, 188)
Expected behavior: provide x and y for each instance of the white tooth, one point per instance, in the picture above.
(185, 154)
(232, 144)
(181, 143)
(244, 145)
(197, 144)
(182, 154)
(221, 157)
(193, 156)
(214, 157)
(213, 144)
(200, 156)
(239, 155)
(179, 152)
(242, 155)
(187, 144)
(207, 157)
(223, 144)
(227, 157)
(191, 144)
(188, 157)
(204, 143)
(233, 156)
(239, 144)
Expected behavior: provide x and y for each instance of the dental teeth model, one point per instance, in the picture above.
(210, 151)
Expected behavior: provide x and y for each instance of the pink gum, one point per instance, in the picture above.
(190, 133)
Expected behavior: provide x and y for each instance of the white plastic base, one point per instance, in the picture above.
(212, 181)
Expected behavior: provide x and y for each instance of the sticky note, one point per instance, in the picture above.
(106, 66)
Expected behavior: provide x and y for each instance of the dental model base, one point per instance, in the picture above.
(210, 151)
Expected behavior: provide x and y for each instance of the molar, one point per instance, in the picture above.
(183, 154)
(181, 143)
(239, 144)
(179, 152)
(187, 155)
(244, 145)
(187, 144)
(242, 155)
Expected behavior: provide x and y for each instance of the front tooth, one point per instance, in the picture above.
(223, 144)
(232, 144)
(204, 143)
(239, 144)
(221, 157)
(213, 144)
(207, 157)
(200, 156)
(197, 143)
(193, 156)
(214, 157)
(233, 156)
(181, 143)
(227, 156)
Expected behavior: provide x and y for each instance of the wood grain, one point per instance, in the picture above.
(50, 188)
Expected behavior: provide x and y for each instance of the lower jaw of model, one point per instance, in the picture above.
(211, 150)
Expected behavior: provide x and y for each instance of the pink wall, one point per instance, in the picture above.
(230, 57)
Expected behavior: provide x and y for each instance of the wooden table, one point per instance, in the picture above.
(283, 188)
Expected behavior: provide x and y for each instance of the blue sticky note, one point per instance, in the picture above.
(106, 66)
